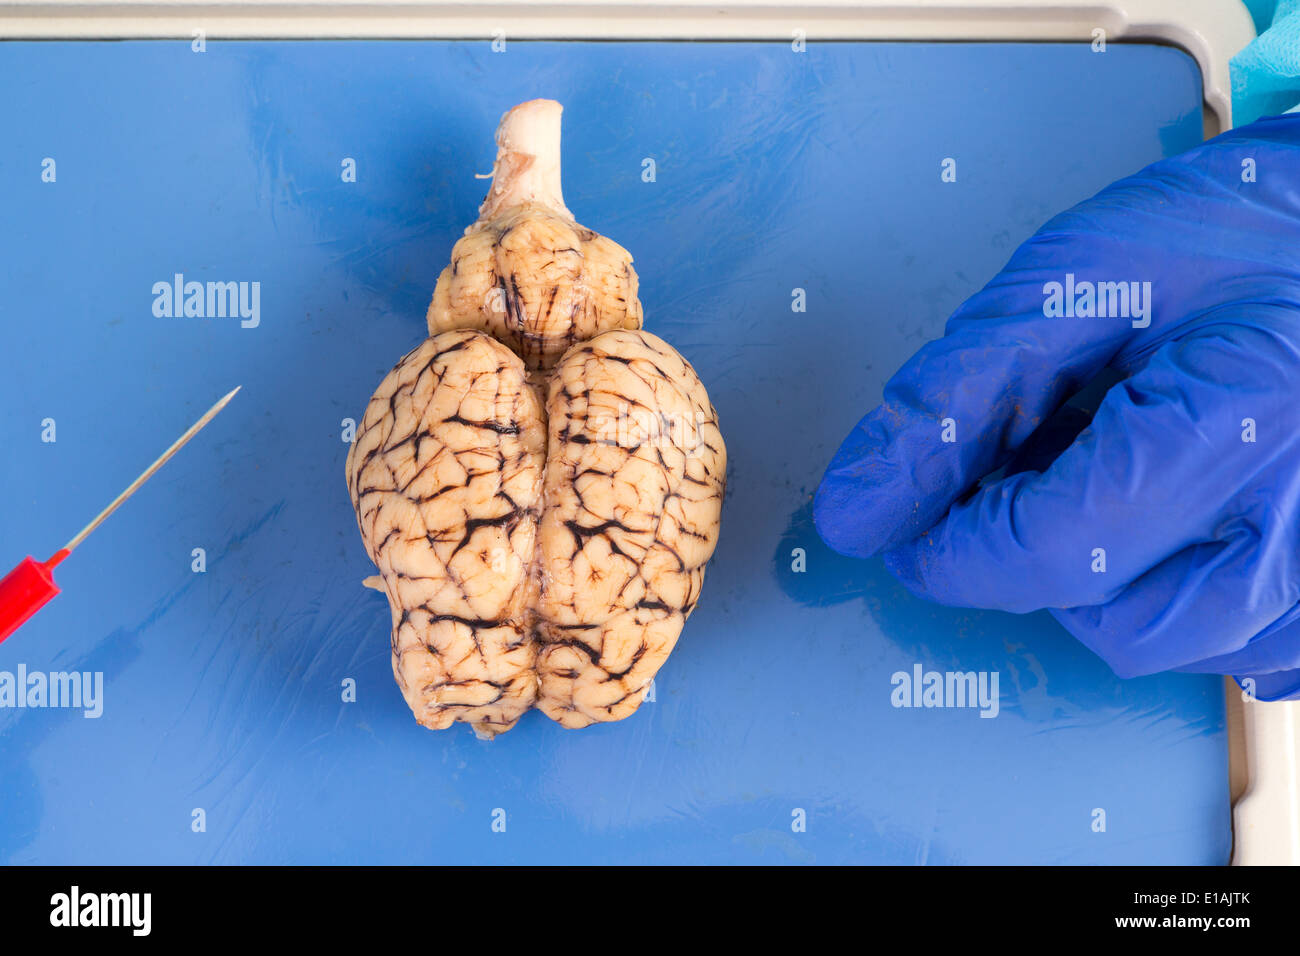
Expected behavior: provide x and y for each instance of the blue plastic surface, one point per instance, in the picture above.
(774, 171)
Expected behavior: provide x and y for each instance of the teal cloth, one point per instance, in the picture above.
(1266, 74)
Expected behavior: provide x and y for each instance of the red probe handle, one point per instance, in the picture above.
(25, 590)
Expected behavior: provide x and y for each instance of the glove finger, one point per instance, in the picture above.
(1058, 433)
(1152, 476)
(958, 409)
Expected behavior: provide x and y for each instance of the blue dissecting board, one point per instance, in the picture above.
(774, 170)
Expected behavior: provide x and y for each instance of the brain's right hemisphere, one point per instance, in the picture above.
(540, 483)
(634, 483)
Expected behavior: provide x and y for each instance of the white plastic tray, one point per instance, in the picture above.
(1266, 737)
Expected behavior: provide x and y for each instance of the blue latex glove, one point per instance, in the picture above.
(1200, 529)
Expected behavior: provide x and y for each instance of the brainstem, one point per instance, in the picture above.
(633, 495)
(445, 475)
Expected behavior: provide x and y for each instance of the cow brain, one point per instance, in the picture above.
(540, 481)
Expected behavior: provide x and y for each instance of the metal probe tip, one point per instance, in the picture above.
(148, 473)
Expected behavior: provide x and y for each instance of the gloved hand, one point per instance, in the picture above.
(1167, 536)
